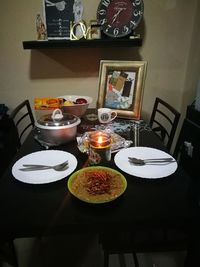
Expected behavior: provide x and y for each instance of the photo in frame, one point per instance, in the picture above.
(121, 86)
(59, 14)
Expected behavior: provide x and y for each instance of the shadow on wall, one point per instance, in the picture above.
(75, 63)
(78, 62)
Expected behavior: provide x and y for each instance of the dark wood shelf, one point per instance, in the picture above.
(107, 42)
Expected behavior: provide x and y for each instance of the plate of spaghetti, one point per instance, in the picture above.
(97, 184)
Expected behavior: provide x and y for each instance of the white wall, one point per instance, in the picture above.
(170, 45)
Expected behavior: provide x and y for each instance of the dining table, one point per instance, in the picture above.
(32, 210)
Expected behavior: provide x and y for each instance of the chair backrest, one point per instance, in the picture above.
(23, 118)
(164, 120)
(8, 142)
(187, 149)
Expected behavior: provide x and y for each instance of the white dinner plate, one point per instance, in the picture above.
(144, 171)
(45, 157)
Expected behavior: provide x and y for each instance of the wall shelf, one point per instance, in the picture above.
(122, 42)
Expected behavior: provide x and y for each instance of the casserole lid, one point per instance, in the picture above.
(57, 119)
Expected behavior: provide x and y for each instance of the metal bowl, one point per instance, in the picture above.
(76, 109)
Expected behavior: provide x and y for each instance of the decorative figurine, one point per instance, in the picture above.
(41, 29)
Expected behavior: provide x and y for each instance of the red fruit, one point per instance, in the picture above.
(80, 101)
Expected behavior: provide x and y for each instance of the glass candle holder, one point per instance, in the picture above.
(99, 147)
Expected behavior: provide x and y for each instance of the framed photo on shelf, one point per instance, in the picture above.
(57, 15)
(121, 85)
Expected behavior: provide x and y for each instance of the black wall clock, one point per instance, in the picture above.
(118, 18)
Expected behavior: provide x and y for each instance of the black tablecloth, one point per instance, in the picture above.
(34, 210)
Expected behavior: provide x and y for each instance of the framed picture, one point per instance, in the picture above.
(58, 14)
(121, 85)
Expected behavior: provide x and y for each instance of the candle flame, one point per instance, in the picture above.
(100, 139)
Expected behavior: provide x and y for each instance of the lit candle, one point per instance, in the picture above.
(100, 147)
(99, 139)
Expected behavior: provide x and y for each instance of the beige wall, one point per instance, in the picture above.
(171, 47)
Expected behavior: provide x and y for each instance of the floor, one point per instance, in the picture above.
(73, 251)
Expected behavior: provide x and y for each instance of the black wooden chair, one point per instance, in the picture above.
(143, 241)
(187, 153)
(12, 132)
(15, 128)
(163, 121)
(8, 142)
(24, 120)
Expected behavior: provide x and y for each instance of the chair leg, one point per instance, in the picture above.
(106, 259)
(135, 259)
(12, 247)
(8, 254)
(122, 260)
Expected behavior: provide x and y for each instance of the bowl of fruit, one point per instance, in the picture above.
(76, 105)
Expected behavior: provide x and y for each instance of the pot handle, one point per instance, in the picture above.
(57, 114)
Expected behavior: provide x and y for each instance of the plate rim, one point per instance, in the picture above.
(144, 147)
(93, 167)
(45, 182)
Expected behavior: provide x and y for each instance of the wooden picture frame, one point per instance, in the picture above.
(121, 85)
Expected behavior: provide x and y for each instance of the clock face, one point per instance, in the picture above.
(119, 18)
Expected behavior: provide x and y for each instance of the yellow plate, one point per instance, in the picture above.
(97, 184)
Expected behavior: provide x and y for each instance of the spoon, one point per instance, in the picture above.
(34, 167)
(155, 161)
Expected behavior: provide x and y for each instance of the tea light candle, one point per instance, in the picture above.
(99, 139)
(99, 147)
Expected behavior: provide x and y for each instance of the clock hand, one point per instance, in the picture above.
(117, 14)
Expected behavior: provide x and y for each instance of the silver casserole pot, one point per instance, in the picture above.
(57, 128)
